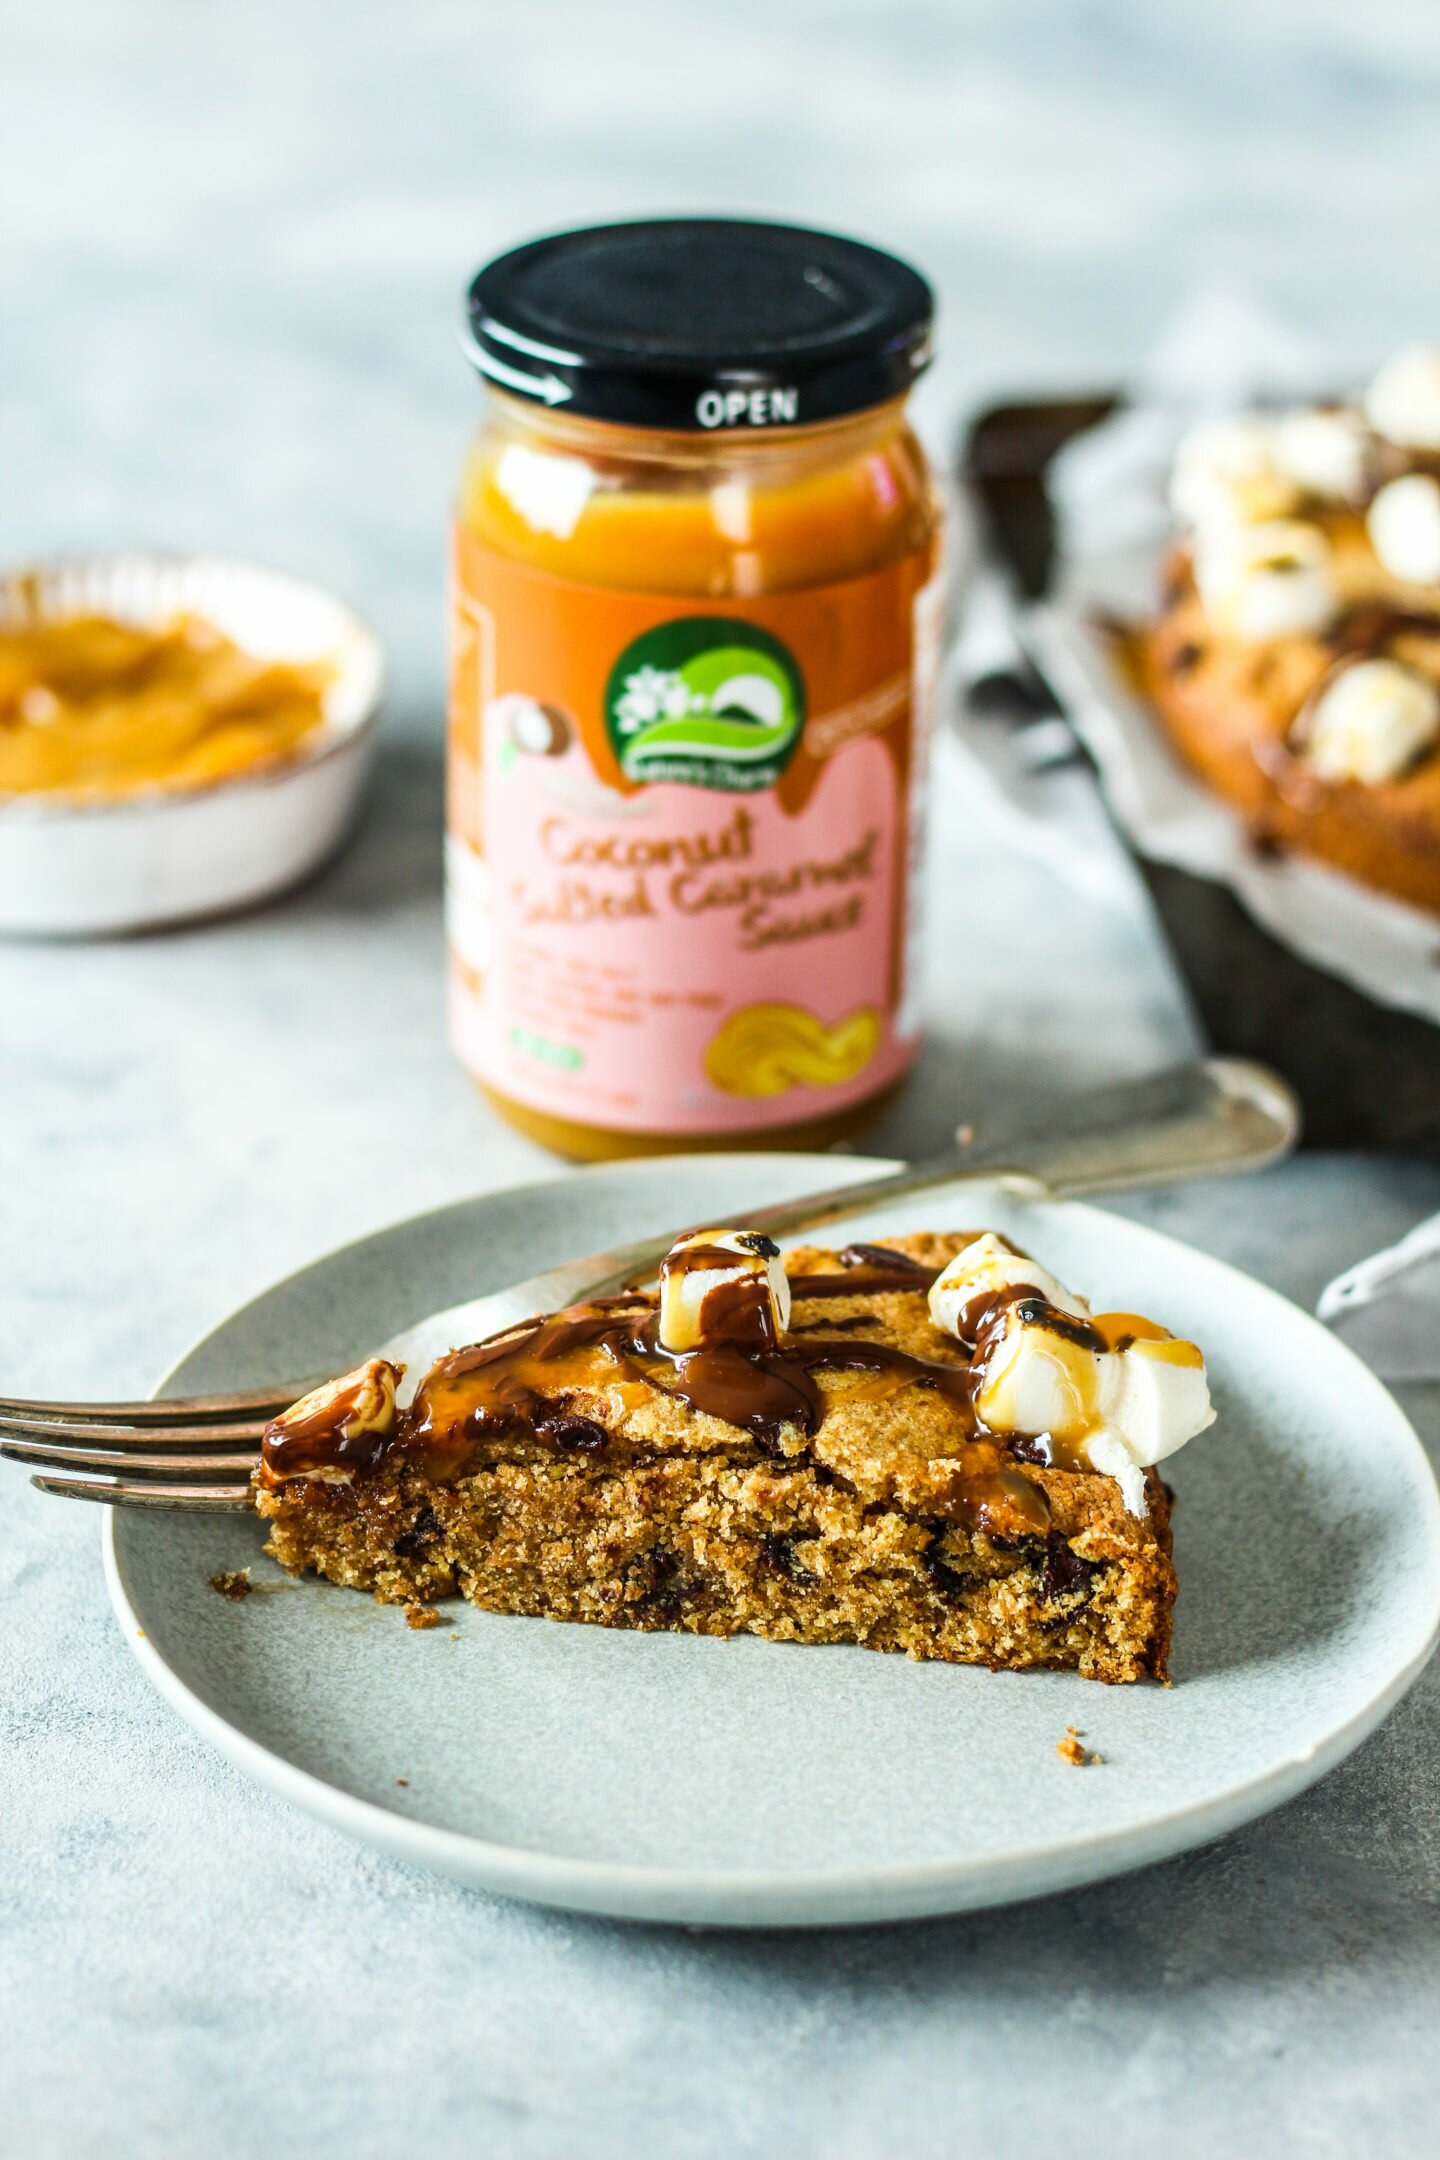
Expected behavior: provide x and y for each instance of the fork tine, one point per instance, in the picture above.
(167, 1410)
(216, 1436)
(219, 1467)
(202, 1499)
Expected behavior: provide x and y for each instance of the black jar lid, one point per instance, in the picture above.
(701, 324)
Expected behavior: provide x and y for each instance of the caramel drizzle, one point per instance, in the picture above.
(521, 1385)
(517, 1388)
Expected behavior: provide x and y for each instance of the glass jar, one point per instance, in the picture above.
(695, 633)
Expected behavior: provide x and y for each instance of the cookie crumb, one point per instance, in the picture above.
(1072, 1749)
(421, 1616)
(232, 1583)
(402, 1781)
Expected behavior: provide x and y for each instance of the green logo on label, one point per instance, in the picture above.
(708, 700)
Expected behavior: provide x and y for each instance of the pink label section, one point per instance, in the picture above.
(630, 932)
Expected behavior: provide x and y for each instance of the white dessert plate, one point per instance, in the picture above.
(745, 1783)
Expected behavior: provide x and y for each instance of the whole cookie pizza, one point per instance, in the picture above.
(1295, 661)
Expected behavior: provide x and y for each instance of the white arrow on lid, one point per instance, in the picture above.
(548, 388)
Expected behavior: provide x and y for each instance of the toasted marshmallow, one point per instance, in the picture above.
(1109, 1455)
(1037, 1380)
(987, 1265)
(336, 1429)
(1404, 527)
(1267, 581)
(1154, 1396)
(1371, 721)
(1325, 450)
(1403, 402)
(1227, 472)
(723, 1286)
(1121, 1409)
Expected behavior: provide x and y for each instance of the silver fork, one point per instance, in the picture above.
(198, 1452)
(195, 1451)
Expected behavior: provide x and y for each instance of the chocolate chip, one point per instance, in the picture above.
(777, 1550)
(415, 1543)
(663, 1582)
(756, 1241)
(1185, 657)
(574, 1435)
(951, 1582)
(1064, 1572)
(1265, 845)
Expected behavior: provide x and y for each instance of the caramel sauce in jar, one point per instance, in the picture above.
(695, 635)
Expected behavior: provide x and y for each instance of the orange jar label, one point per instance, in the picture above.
(684, 840)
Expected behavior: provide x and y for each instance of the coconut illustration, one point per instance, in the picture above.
(539, 730)
(520, 728)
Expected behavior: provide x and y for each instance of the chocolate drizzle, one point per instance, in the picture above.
(519, 1383)
(836, 1323)
(890, 1262)
(522, 1383)
(1370, 625)
(739, 1311)
(757, 1390)
(521, 1387)
(339, 1428)
(983, 1321)
(869, 1271)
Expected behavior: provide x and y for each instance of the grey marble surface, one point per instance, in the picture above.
(233, 243)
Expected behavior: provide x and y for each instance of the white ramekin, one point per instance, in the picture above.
(83, 870)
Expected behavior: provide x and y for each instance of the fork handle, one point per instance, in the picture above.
(1197, 1120)
(1194, 1120)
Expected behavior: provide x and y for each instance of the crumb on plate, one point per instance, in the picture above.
(232, 1583)
(1073, 1750)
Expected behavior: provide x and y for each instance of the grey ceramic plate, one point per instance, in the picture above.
(673, 1778)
